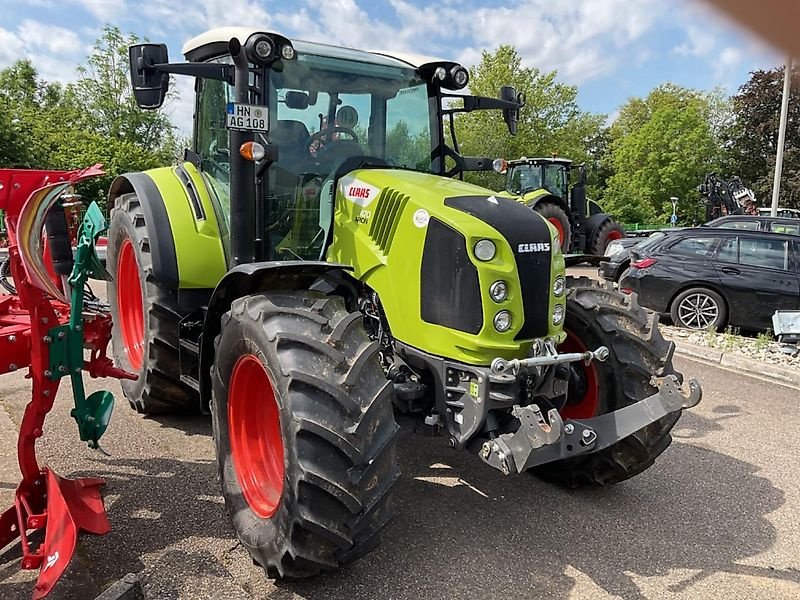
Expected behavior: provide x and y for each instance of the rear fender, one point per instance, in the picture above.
(252, 278)
(537, 197)
(182, 225)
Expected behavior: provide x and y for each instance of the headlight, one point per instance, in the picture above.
(559, 285)
(263, 49)
(502, 321)
(498, 291)
(485, 250)
(614, 248)
(558, 314)
(287, 52)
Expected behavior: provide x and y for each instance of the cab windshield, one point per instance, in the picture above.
(323, 111)
(528, 177)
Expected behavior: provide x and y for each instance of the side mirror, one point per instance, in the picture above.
(149, 84)
(511, 115)
(297, 100)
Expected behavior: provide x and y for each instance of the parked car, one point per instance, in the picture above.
(792, 213)
(786, 225)
(619, 253)
(713, 277)
(619, 259)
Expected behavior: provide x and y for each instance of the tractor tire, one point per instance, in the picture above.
(598, 315)
(559, 219)
(145, 317)
(304, 432)
(608, 231)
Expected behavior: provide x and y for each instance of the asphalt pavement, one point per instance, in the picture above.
(718, 515)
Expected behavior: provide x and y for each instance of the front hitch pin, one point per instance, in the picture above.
(501, 366)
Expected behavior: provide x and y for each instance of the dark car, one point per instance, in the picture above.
(785, 225)
(618, 252)
(619, 258)
(713, 277)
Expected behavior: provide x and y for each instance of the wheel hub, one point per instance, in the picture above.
(130, 307)
(254, 430)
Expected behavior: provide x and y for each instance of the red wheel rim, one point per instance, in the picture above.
(559, 228)
(254, 429)
(130, 309)
(613, 235)
(588, 405)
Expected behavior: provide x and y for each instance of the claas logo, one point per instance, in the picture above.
(358, 192)
(534, 247)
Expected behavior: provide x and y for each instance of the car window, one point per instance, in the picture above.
(651, 240)
(695, 246)
(784, 228)
(759, 252)
(747, 225)
(729, 251)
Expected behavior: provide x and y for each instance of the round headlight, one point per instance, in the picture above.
(263, 49)
(440, 73)
(502, 321)
(485, 250)
(460, 77)
(559, 285)
(498, 291)
(500, 165)
(287, 52)
(558, 314)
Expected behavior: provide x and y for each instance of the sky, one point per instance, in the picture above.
(610, 49)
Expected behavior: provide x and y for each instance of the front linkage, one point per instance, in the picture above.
(43, 330)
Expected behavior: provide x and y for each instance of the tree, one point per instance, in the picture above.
(661, 146)
(550, 122)
(44, 125)
(752, 137)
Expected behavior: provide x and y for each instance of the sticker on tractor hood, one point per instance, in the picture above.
(421, 218)
(357, 191)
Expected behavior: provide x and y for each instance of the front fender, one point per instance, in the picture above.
(244, 280)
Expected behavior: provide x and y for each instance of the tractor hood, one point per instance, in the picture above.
(411, 237)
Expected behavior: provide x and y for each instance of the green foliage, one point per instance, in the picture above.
(49, 126)
(661, 146)
(763, 340)
(752, 136)
(550, 122)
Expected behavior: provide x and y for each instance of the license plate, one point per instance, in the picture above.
(247, 117)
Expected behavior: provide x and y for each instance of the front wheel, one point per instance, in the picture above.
(600, 316)
(699, 308)
(304, 431)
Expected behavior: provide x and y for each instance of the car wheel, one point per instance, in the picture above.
(699, 308)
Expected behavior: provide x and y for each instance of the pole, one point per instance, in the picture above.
(776, 182)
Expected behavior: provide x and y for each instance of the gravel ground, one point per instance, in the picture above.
(759, 348)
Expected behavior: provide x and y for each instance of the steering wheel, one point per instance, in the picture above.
(327, 131)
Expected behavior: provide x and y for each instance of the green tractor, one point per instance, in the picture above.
(311, 273)
(544, 185)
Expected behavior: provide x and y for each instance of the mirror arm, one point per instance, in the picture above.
(479, 103)
(205, 70)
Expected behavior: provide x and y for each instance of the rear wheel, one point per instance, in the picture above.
(699, 308)
(558, 219)
(146, 316)
(304, 431)
(608, 231)
(597, 315)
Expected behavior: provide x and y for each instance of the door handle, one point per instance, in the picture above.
(730, 271)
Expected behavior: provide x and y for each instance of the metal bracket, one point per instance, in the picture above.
(539, 441)
(516, 366)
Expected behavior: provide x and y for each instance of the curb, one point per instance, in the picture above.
(127, 588)
(745, 366)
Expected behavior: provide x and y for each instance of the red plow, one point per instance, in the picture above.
(48, 328)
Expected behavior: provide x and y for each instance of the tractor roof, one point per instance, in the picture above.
(215, 43)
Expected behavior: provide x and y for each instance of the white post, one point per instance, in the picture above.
(776, 182)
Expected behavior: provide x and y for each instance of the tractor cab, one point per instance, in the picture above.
(530, 174)
(278, 122)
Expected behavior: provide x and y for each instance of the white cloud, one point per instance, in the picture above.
(52, 38)
(699, 42)
(53, 50)
(102, 10)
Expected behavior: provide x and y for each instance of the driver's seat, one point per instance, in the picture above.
(291, 138)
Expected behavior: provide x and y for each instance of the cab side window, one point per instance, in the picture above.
(211, 137)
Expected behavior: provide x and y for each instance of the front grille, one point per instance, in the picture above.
(450, 292)
(524, 230)
(390, 205)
